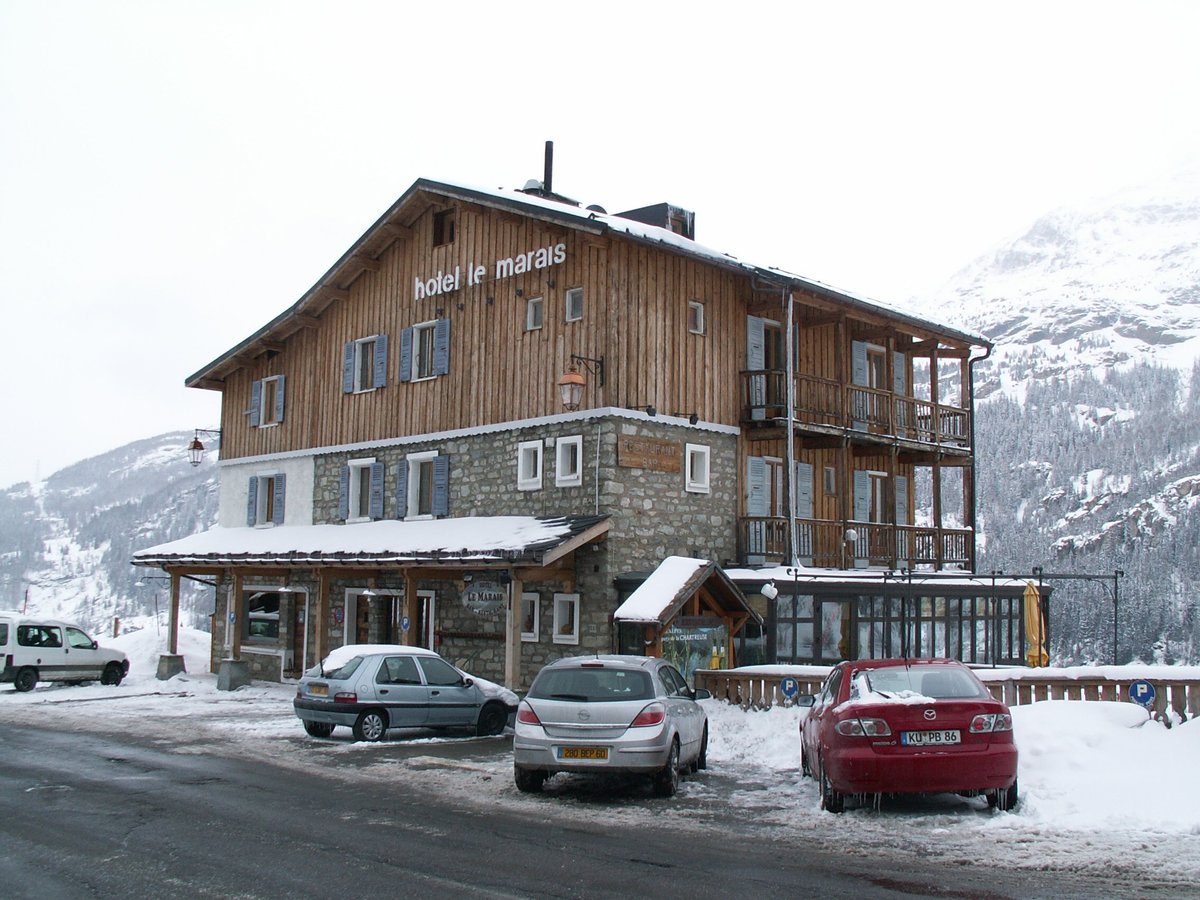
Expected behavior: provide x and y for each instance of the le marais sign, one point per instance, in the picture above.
(529, 261)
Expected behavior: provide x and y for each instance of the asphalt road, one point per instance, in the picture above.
(87, 815)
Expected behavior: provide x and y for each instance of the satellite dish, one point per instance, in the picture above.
(532, 185)
(597, 208)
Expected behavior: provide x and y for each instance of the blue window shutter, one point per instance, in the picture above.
(381, 352)
(757, 502)
(375, 501)
(756, 355)
(862, 496)
(441, 347)
(902, 500)
(344, 494)
(858, 364)
(899, 374)
(279, 398)
(252, 501)
(406, 342)
(441, 486)
(277, 500)
(348, 368)
(804, 490)
(402, 490)
(255, 403)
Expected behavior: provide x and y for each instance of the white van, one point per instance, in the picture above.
(36, 650)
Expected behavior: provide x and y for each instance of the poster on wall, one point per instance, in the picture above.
(696, 642)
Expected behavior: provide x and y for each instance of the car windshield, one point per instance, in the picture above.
(592, 685)
(344, 671)
(938, 682)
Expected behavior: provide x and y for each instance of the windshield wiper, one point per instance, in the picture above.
(579, 698)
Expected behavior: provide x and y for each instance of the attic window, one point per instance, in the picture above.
(443, 227)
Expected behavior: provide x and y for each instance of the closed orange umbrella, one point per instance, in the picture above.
(1035, 629)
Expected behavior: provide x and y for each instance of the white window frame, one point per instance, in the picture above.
(566, 618)
(423, 339)
(573, 293)
(359, 469)
(264, 500)
(364, 349)
(696, 314)
(535, 308)
(412, 503)
(697, 468)
(266, 411)
(529, 466)
(830, 479)
(563, 477)
(530, 599)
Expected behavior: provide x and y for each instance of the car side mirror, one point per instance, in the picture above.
(468, 682)
(805, 700)
(701, 694)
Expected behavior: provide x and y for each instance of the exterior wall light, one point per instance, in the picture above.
(572, 383)
(196, 449)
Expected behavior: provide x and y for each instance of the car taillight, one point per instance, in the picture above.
(651, 715)
(863, 728)
(991, 722)
(345, 697)
(527, 716)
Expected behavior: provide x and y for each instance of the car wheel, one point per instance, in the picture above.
(318, 729)
(529, 781)
(492, 719)
(370, 726)
(112, 674)
(26, 679)
(1005, 799)
(831, 800)
(702, 759)
(666, 782)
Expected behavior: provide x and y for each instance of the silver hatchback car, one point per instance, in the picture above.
(610, 714)
(373, 687)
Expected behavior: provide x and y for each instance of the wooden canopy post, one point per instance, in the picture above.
(512, 636)
(173, 617)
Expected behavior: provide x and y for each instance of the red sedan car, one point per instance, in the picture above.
(899, 726)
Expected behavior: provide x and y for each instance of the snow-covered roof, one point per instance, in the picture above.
(669, 586)
(464, 540)
(371, 243)
(786, 576)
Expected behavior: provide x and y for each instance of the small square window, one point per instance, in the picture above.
(697, 476)
(418, 501)
(443, 227)
(364, 364)
(271, 401)
(529, 466)
(574, 304)
(533, 314)
(830, 480)
(566, 618)
(360, 490)
(568, 453)
(695, 317)
(422, 351)
(530, 617)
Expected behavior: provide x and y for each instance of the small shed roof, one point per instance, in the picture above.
(673, 583)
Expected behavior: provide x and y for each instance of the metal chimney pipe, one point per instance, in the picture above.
(548, 178)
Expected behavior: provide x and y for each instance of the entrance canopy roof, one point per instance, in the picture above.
(473, 540)
(676, 580)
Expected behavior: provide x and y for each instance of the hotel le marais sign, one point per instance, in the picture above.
(649, 453)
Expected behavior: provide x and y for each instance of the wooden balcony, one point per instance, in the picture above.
(823, 404)
(821, 543)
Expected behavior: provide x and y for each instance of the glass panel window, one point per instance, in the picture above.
(529, 466)
(364, 364)
(574, 304)
(568, 470)
(530, 617)
(262, 615)
(697, 469)
(533, 314)
(566, 618)
(443, 227)
(695, 317)
(360, 489)
(270, 406)
(422, 351)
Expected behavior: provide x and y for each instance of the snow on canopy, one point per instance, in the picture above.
(670, 585)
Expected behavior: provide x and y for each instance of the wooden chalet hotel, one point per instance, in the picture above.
(502, 399)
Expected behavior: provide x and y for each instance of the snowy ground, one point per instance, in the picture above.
(1104, 791)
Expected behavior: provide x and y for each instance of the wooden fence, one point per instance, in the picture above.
(761, 690)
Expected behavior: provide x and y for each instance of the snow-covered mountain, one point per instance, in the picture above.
(66, 542)
(1088, 417)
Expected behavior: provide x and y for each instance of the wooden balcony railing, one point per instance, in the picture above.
(821, 543)
(823, 401)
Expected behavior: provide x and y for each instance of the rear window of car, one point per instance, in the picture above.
(592, 685)
(938, 682)
(345, 670)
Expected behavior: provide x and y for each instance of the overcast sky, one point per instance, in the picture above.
(175, 174)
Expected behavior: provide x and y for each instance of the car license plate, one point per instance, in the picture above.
(583, 753)
(319, 690)
(930, 738)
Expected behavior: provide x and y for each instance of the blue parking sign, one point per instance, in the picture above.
(789, 687)
(1142, 692)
